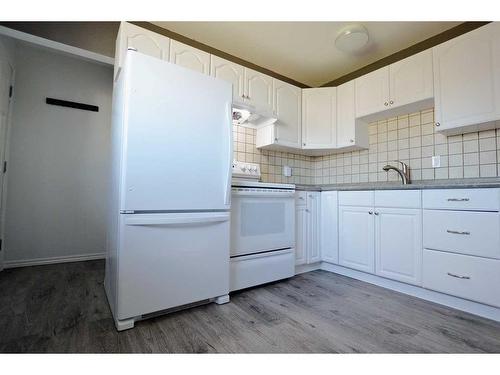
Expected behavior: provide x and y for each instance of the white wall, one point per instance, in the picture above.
(56, 201)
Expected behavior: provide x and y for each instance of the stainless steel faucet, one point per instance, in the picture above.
(404, 172)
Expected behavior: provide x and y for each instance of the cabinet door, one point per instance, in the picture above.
(356, 238)
(319, 118)
(398, 244)
(259, 90)
(372, 92)
(411, 79)
(300, 234)
(346, 115)
(467, 78)
(189, 57)
(144, 41)
(287, 106)
(313, 247)
(329, 227)
(230, 72)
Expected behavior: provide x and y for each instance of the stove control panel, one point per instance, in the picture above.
(246, 170)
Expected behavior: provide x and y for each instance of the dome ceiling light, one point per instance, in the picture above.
(352, 38)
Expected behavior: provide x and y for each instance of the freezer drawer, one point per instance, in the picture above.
(169, 260)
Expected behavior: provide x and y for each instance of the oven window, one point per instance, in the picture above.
(260, 218)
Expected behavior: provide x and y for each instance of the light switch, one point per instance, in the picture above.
(436, 161)
(287, 171)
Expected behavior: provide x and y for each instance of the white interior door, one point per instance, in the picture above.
(178, 147)
(6, 75)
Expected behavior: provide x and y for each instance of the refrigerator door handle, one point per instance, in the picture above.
(150, 220)
(229, 130)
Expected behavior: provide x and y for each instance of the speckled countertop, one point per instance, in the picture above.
(416, 185)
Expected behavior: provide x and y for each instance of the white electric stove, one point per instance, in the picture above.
(262, 229)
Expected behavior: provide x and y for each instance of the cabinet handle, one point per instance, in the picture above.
(243, 96)
(301, 198)
(276, 139)
(391, 102)
(457, 232)
(307, 210)
(438, 124)
(459, 276)
(386, 104)
(376, 213)
(303, 144)
(351, 140)
(458, 199)
(370, 212)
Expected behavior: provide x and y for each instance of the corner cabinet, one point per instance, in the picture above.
(144, 41)
(189, 57)
(467, 81)
(319, 118)
(351, 134)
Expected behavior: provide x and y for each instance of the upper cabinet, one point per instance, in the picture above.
(372, 92)
(259, 90)
(319, 118)
(467, 81)
(142, 40)
(230, 72)
(287, 107)
(189, 57)
(351, 134)
(410, 80)
(405, 85)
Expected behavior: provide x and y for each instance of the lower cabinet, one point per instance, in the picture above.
(307, 227)
(329, 244)
(398, 244)
(356, 243)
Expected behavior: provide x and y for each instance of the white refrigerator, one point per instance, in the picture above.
(168, 225)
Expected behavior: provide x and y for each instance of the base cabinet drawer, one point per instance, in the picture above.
(462, 199)
(473, 278)
(464, 232)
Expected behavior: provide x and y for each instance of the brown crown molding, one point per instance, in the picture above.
(419, 47)
(214, 51)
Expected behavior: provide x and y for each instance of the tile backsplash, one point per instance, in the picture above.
(409, 138)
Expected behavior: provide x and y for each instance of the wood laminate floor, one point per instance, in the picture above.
(63, 308)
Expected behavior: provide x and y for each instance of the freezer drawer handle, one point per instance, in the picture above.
(176, 220)
(458, 199)
(459, 276)
(457, 232)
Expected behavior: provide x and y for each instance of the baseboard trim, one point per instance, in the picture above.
(53, 260)
(471, 307)
(303, 268)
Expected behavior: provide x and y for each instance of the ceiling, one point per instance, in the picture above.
(305, 51)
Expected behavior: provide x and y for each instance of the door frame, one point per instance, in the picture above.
(5, 158)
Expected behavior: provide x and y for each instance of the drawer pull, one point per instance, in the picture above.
(458, 199)
(457, 232)
(459, 276)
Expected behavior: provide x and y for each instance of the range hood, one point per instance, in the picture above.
(248, 116)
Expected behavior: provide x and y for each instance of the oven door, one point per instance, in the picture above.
(261, 220)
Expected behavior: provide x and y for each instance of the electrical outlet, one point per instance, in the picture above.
(436, 161)
(287, 171)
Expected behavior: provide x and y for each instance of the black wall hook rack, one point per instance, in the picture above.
(66, 103)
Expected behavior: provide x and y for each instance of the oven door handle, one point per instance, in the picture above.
(264, 194)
